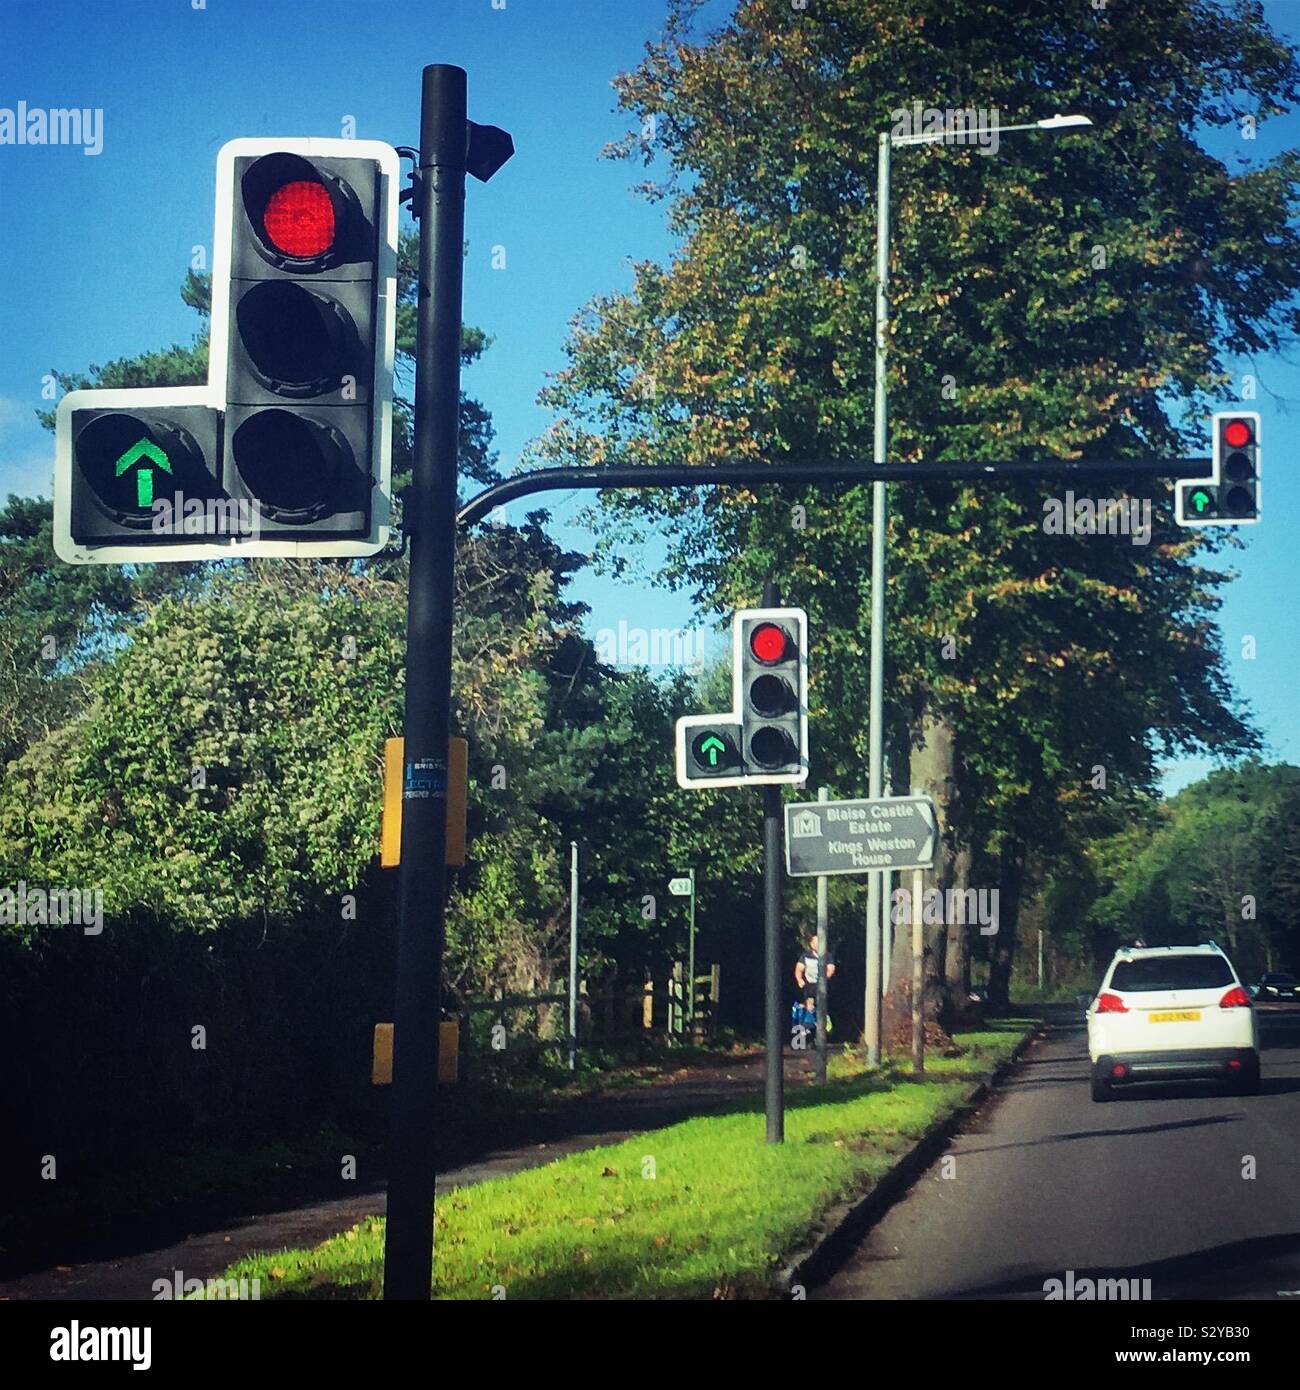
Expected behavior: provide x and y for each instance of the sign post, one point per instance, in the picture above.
(823, 955)
(685, 888)
(918, 977)
(872, 837)
(575, 855)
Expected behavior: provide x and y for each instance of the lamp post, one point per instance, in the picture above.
(877, 983)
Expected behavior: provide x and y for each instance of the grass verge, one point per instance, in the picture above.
(698, 1210)
(142, 1193)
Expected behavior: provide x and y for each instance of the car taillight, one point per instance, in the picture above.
(1236, 998)
(1111, 1004)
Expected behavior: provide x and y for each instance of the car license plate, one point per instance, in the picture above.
(1177, 1016)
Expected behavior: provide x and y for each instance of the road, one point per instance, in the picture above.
(1149, 1186)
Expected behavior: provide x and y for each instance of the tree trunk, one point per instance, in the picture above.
(933, 771)
(1011, 877)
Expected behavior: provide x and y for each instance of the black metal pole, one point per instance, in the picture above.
(823, 956)
(775, 1104)
(774, 1016)
(656, 475)
(429, 519)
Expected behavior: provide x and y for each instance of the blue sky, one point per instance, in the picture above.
(109, 238)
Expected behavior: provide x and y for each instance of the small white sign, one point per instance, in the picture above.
(680, 887)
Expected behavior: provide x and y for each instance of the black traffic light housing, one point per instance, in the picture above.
(763, 739)
(306, 273)
(773, 700)
(133, 462)
(1231, 496)
(287, 449)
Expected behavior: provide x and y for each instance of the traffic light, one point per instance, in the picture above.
(123, 458)
(774, 693)
(1231, 496)
(287, 448)
(708, 751)
(309, 322)
(763, 739)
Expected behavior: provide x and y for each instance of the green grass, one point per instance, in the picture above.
(701, 1209)
(141, 1188)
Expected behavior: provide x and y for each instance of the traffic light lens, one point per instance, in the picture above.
(771, 747)
(1238, 501)
(712, 751)
(768, 642)
(1237, 468)
(771, 696)
(133, 461)
(299, 219)
(119, 458)
(296, 339)
(288, 463)
(1236, 434)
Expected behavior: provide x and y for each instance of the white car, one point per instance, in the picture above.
(1172, 1013)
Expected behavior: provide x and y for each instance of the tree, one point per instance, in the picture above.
(1216, 862)
(216, 757)
(1075, 299)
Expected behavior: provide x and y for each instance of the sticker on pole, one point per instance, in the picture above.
(424, 778)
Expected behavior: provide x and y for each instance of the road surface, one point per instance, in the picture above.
(1149, 1186)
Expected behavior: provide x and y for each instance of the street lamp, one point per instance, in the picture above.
(932, 137)
(877, 964)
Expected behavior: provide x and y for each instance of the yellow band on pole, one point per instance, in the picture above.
(390, 848)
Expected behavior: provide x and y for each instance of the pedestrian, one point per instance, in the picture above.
(805, 974)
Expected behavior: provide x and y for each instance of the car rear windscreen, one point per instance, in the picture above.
(1170, 972)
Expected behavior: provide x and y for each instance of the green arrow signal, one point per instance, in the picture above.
(714, 747)
(143, 449)
(1200, 500)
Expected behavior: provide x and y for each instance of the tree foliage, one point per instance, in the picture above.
(1220, 861)
(1074, 298)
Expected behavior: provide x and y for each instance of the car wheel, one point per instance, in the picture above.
(1102, 1090)
(1249, 1084)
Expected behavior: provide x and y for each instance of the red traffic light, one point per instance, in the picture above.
(769, 643)
(299, 219)
(1236, 434)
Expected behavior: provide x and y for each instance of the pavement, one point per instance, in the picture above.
(1156, 1184)
(605, 1118)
